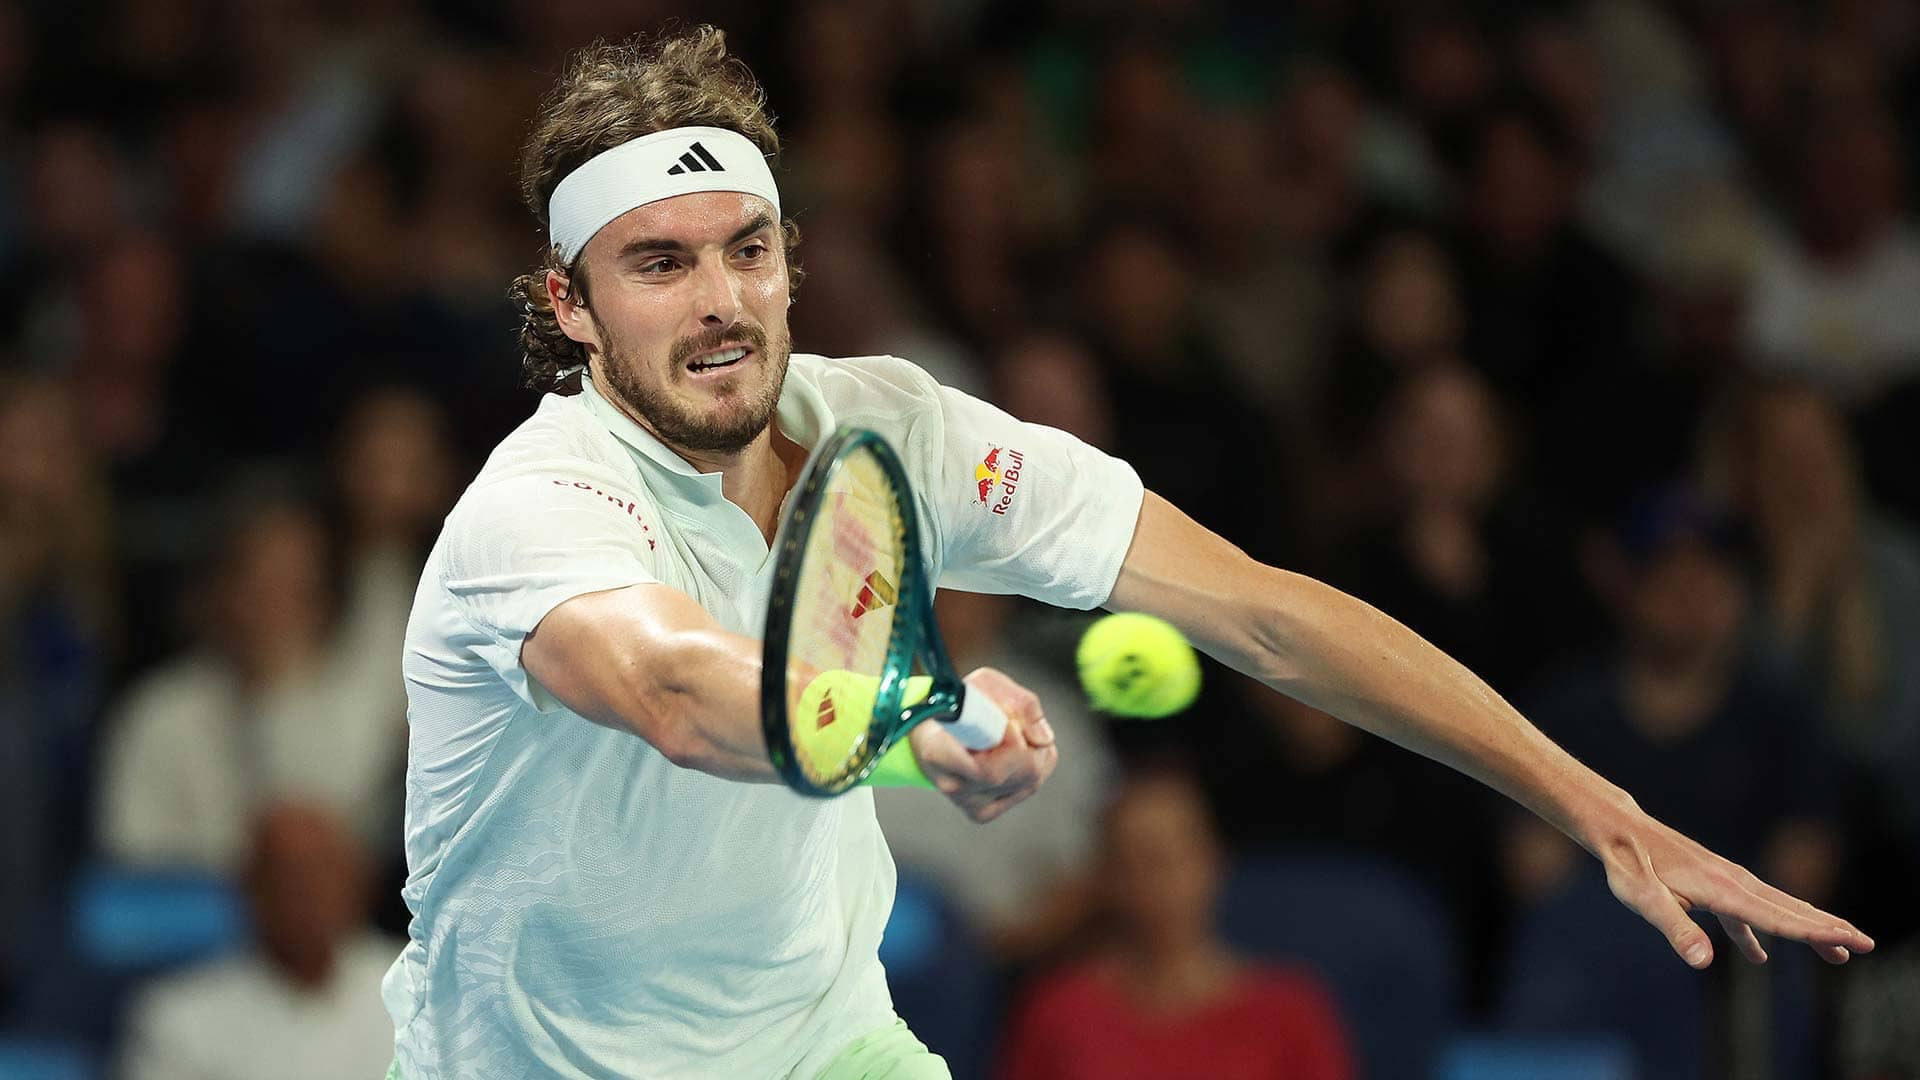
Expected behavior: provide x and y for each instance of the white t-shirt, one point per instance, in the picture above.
(1852, 329)
(582, 906)
(237, 1019)
(192, 753)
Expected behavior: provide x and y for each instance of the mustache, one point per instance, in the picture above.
(707, 340)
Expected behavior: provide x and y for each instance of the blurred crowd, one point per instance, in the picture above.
(1581, 336)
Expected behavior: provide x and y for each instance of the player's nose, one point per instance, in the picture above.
(717, 296)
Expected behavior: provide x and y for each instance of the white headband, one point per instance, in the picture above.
(678, 161)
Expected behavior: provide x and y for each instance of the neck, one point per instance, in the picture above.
(755, 477)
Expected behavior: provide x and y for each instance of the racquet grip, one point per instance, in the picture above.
(981, 725)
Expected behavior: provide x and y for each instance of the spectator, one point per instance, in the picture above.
(1025, 891)
(1544, 300)
(1142, 107)
(304, 1002)
(1181, 421)
(265, 707)
(1840, 591)
(1404, 316)
(1262, 291)
(973, 232)
(1458, 556)
(1051, 378)
(1442, 68)
(1702, 274)
(1687, 714)
(73, 200)
(1839, 584)
(1832, 300)
(1296, 779)
(1166, 997)
(57, 619)
(57, 633)
(394, 479)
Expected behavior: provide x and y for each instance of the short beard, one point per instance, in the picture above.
(681, 428)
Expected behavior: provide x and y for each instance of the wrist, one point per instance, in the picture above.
(1604, 819)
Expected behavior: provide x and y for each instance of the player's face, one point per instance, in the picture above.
(688, 310)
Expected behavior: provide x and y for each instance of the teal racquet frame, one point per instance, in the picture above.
(914, 633)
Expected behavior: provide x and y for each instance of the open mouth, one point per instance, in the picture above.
(717, 360)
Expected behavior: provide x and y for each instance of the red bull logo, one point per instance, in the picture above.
(987, 474)
(1000, 469)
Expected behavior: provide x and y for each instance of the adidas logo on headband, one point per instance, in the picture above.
(696, 159)
(649, 169)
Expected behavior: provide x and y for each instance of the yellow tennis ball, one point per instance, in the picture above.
(1135, 665)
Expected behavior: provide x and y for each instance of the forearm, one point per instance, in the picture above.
(1343, 656)
(648, 660)
(1317, 644)
(704, 706)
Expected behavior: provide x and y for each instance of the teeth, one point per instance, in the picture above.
(719, 359)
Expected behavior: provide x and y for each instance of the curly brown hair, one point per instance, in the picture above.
(612, 94)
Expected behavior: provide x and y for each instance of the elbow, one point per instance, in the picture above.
(680, 744)
(663, 716)
(1266, 614)
(663, 702)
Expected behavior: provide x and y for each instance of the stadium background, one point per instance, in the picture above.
(1582, 337)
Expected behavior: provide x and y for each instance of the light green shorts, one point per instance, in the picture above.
(892, 1053)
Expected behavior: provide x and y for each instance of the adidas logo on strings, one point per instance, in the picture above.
(696, 159)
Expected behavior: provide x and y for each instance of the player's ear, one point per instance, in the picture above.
(569, 309)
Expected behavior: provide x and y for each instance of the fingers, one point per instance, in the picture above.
(987, 802)
(1843, 934)
(1743, 937)
(1743, 902)
(1656, 903)
(987, 783)
(1020, 704)
(1683, 934)
(1039, 733)
(1783, 915)
(1775, 911)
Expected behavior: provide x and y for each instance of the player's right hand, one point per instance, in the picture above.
(986, 783)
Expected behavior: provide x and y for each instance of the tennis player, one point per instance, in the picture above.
(606, 881)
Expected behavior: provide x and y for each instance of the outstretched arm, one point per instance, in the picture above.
(1333, 652)
(649, 660)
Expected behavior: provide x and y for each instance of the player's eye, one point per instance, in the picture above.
(663, 265)
(752, 250)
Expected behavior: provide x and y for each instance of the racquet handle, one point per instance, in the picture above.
(981, 725)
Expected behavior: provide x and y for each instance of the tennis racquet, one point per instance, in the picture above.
(851, 610)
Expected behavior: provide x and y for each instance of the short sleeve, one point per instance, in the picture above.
(1029, 509)
(518, 548)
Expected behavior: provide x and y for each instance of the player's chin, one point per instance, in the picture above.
(729, 421)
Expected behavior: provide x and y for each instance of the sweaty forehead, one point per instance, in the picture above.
(696, 220)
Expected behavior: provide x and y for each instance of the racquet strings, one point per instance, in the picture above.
(845, 602)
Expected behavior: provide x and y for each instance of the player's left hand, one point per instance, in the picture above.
(987, 783)
(1662, 875)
